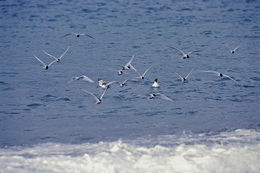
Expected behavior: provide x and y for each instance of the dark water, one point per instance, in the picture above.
(39, 106)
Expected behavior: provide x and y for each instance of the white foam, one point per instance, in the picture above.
(237, 151)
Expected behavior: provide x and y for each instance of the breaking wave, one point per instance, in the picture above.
(236, 151)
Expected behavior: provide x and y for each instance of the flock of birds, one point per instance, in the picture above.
(128, 67)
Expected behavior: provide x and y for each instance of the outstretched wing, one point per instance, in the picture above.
(88, 35)
(102, 95)
(231, 78)
(49, 54)
(39, 60)
(67, 34)
(209, 71)
(51, 63)
(132, 67)
(189, 53)
(86, 78)
(64, 53)
(146, 70)
(179, 76)
(236, 47)
(130, 61)
(189, 74)
(91, 94)
(183, 53)
(110, 83)
(164, 97)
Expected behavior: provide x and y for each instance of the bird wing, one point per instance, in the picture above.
(84, 77)
(230, 78)
(209, 71)
(178, 50)
(189, 74)
(110, 83)
(51, 63)
(91, 94)
(133, 80)
(132, 67)
(164, 97)
(102, 95)
(88, 36)
(64, 53)
(67, 34)
(125, 81)
(179, 76)
(130, 61)
(236, 47)
(39, 60)
(49, 54)
(146, 70)
(192, 52)
(119, 65)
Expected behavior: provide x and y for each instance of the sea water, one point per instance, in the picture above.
(47, 124)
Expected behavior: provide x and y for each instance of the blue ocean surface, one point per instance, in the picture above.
(48, 124)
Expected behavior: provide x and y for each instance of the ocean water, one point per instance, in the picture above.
(47, 124)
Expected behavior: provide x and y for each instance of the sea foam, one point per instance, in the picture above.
(237, 151)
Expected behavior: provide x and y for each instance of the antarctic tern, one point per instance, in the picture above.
(142, 75)
(57, 58)
(98, 100)
(184, 55)
(234, 50)
(46, 67)
(78, 35)
(183, 79)
(127, 66)
(219, 75)
(155, 83)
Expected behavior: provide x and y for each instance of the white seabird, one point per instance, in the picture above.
(127, 66)
(142, 75)
(98, 100)
(185, 55)
(57, 58)
(155, 83)
(78, 35)
(183, 79)
(219, 74)
(45, 66)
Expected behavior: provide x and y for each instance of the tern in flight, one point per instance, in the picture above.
(98, 100)
(78, 35)
(45, 66)
(127, 66)
(142, 75)
(234, 50)
(184, 55)
(183, 79)
(220, 75)
(57, 58)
